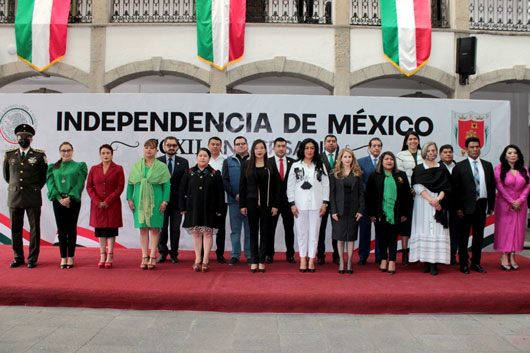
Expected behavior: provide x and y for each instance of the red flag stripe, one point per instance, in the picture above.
(422, 17)
(58, 29)
(238, 9)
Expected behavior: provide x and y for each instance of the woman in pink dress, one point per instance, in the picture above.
(511, 178)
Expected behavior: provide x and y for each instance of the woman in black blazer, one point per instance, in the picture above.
(259, 189)
(346, 203)
(201, 200)
(388, 202)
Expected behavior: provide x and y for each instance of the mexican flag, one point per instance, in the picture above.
(406, 27)
(40, 30)
(220, 31)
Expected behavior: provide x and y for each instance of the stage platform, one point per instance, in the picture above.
(281, 289)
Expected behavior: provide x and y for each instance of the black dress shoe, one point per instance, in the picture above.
(336, 260)
(221, 259)
(361, 262)
(312, 270)
(161, 259)
(233, 261)
(426, 267)
(350, 272)
(174, 260)
(253, 270)
(454, 262)
(291, 260)
(478, 268)
(16, 264)
(261, 270)
(434, 270)
(464, 270)
(33, 264)
(321, 261)
(268, 260)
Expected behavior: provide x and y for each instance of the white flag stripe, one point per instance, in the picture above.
(220, 31)
(40, 33)
(406, 34)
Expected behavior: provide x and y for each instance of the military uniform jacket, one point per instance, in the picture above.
(25, 176)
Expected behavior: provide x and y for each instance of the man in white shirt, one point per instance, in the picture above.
(216, 162)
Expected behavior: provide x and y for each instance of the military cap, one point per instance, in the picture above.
(25, 129)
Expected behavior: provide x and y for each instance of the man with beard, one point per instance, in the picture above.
(177, 167)
(25, 172)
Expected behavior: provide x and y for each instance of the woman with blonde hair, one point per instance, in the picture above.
(346, 204)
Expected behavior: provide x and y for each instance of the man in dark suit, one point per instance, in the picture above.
(177, 167)
(368, 165)
(25, 172)
(329, 156)
(282, 165)
(474, 190)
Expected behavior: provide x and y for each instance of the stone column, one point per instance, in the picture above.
(217, 80)
(341, 23)
(100, 19)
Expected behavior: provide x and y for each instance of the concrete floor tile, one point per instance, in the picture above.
(266, 342)
(520, 342)
(443, 342)
(15, 347)
(70, 335)
(96, 348)
(53, 348)
(292, 326)
(491, 343)
(26, 333)
(308, 342)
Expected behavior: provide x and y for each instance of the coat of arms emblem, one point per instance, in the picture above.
(470, 124)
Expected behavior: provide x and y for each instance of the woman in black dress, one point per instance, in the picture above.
(259, 189)
(346, 204)
(201, 200)
(388, 204)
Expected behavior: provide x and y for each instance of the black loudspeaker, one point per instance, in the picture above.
(466, 54)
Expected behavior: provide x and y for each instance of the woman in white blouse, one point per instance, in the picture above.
(406, 161)
(308, 195)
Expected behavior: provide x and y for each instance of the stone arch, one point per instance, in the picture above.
(517, 73)
(18, 70)
(434, 77)
(281, 66)
(155, 66)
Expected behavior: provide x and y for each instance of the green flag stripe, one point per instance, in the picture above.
(23, 24)
(389, 27)
(4, 240)
(203, 13)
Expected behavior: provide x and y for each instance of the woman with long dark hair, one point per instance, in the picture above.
(259, 189)
(407, 160)
(201, 201)
(346, 202)
(148, 193)
(105, 184)
(388, 203)
(512, 180)
(66, 180)
(308, 195)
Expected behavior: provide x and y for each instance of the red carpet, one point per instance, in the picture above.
(281, 289)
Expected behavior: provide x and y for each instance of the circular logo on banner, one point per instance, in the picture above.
(12, 117)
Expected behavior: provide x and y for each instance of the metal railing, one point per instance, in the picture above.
(500, 15)
(80, 11)
(367, 13)
(153, 11)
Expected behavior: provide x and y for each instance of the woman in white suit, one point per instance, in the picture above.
(407, 160)
(308, 195)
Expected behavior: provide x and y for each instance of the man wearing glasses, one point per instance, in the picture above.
(231, 174)
(177, 167)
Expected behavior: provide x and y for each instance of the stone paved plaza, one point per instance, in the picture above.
(38, 329)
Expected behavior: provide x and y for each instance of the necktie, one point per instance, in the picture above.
(331, 162)
(23, 154)
(282, 171)
(375, 162)
(476, 176)
(170, 166)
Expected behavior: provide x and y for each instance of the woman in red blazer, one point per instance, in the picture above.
(105, 184)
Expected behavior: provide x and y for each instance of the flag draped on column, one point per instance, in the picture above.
(220, 31)
(406, 27)
(40, 30)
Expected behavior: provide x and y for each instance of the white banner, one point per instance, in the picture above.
(90, 120)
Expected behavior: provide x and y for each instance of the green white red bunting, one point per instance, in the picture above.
(406, 27)
(40, 29)
(220, 31)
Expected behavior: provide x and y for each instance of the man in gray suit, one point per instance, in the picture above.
(25, 172)
(368, 164)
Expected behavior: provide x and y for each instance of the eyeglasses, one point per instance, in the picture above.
(240, 144)
(171, 145)
(65, 151)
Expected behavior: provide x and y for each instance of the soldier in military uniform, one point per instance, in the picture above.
(25, 172)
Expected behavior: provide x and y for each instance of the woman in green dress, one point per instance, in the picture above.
(148, 195)
(65, 180)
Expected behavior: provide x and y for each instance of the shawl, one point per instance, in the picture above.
(157, 174)
(389, 197)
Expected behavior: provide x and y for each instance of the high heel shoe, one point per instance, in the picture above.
(513, 264)
(197, 267)
(70, 265)
(383, 267)
(507, 267)
(101, 263)
(152, 263)
(261, 268)
(204, 267)
(349, 269)
(143, 265)
(392, 272)
(108, 264)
